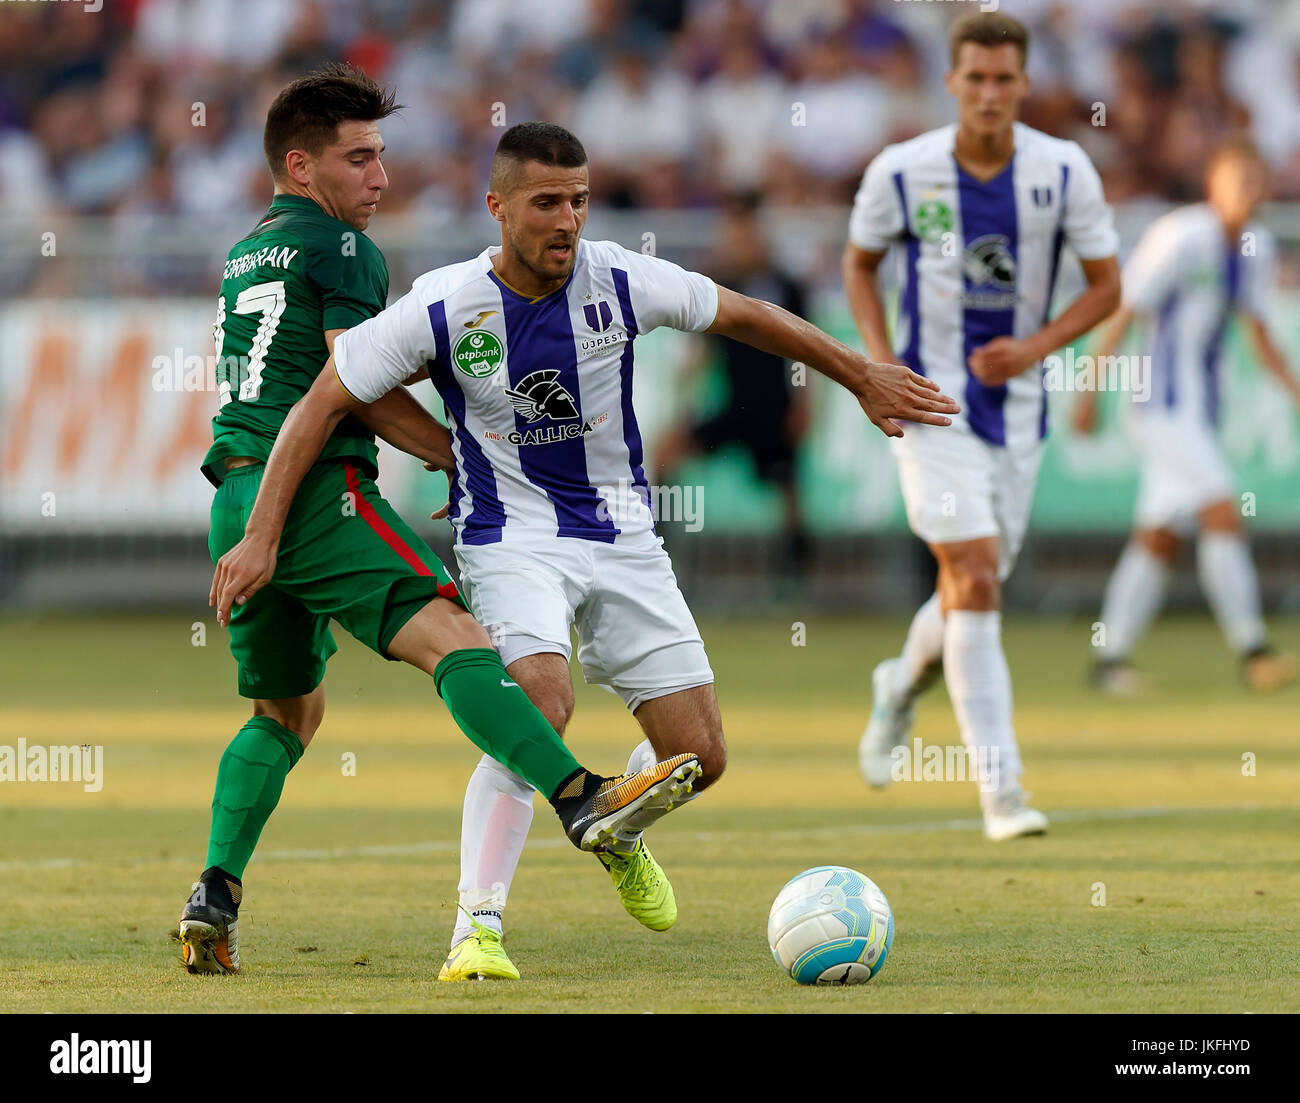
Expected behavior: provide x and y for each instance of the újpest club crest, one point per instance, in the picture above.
(478, 353)
(599, 316)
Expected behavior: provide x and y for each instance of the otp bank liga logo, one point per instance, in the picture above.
(478, 353)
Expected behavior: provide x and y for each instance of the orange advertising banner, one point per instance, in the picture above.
(105, 414)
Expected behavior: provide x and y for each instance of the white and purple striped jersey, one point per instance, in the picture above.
(980, 259)
(1188, 278)
(538, 392)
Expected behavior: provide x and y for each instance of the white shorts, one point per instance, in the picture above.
(957, 487)
(636, 636)
(1183, 470)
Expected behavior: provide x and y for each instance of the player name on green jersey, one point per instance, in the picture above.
(275, 258)
(299, 273)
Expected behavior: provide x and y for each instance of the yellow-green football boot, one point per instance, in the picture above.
(642, 886)
(479, 956)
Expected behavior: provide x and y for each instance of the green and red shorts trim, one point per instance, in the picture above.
(344, 555)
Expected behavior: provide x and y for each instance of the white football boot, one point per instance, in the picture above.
(1118, 678)
(1007, 815)
(890, 723)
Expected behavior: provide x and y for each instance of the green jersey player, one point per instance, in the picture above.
(304, 274)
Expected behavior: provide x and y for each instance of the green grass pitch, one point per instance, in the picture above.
(351, 898)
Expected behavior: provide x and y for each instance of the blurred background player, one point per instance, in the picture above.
(1191, 273)
(765, 412)
(981, 210)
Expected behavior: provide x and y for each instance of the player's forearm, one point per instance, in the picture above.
(399, 419)
(769, 328)
(1097, 303)
(866, 306)
(1272, 359)
(298, 446)
(1111, 335)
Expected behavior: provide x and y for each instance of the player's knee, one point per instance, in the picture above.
(1220, 517)
(301, 715)
(1162, 543)
(975, 586)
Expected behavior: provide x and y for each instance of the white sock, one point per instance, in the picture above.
(922, 650)
(979, 684)
(498, 812)
(1228, 578)
(642, 758)
(1134, 595)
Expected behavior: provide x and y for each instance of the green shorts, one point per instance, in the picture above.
(344, 554)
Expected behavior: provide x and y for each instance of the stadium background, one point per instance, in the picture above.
(130, 160)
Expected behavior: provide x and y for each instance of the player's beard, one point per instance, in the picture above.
(538, 269)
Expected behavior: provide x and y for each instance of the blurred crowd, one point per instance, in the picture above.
(155, 107)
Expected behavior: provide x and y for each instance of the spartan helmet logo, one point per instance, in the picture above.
(538, 395)
(988, 263)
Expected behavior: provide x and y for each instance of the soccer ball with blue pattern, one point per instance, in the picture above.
(830, 925)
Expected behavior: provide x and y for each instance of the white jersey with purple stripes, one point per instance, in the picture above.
(538, 392)
(1187, 277)
(980, 259)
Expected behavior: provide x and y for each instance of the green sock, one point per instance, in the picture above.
(249, 780)
(499, 718)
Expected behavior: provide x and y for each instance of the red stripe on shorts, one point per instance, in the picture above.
(380, 526)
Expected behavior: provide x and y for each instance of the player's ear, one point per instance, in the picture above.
(295, 166)
(495, 207)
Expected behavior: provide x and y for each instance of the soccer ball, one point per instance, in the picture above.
(830, 925)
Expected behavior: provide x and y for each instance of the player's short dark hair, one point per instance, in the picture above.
(988, 29)
(535, 141)
(306, 114)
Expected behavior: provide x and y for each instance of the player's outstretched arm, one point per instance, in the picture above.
(886, 392)
(1083, 413)
(250, 564)
(859, 268)
(1271, 356)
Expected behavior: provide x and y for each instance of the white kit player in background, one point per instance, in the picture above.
(530, 346)
(1191, 272)
(979, 213)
